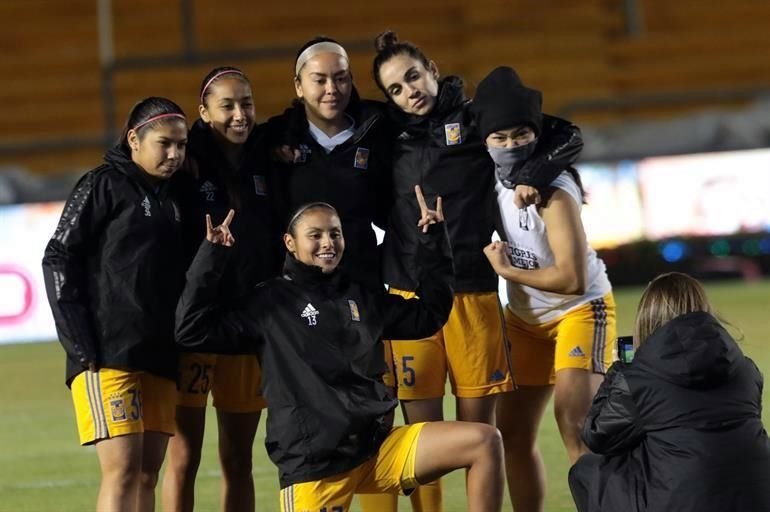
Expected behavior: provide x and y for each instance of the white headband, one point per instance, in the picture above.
(314, 49)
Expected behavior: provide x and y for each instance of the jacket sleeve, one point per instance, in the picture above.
(205, 324)
(613, 425)
(407, 319)
(65, 269)
(561, 144)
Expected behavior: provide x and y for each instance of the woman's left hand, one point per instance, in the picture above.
(428, 216)
(497, 254)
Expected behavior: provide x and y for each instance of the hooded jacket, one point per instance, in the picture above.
(680, 427)
(215, 188)
(444, 154)
(354, 178)
(114, 270)
(318, 337)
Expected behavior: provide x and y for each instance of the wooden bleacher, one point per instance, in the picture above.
(570, 50)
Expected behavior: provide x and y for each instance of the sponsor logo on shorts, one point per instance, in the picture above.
(497, 376)
(362, 159)
(576, 352)
(453, 134)
(310, 313)
(354, 314)
(117, 408)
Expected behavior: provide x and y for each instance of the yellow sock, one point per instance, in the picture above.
(427, 498)
(378, 502)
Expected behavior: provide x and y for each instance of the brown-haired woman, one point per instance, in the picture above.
(113, 271)
(679, 428)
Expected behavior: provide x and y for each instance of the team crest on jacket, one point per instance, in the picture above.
(453, 133)
(304, 151)
(354, 314)
(260, 187)
(310, 313)
(362, 159)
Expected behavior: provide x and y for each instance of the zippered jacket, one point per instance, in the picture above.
(114, 270)
(319, 340)
(354, 178)
(444, 154)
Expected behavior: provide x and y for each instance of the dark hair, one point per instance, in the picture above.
(302, 210)
(388, 46)
(308, 44)
(212, 78)
(146, 109)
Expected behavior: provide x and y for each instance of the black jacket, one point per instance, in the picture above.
(680, 427)
(354, 178)
(318, 338)
(444, 154)
(216, 187)
(114, 270)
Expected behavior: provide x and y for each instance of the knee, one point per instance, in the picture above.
(518, 437)
(236, 464)
(489, 440)
(149, 479)
(570, 421)
(184, 458)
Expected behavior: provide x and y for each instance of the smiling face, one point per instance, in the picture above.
(229, 109)
(159, 150)
(325, 85)
(409, 84)
(316, 239)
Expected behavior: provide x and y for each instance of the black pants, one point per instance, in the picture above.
(582, 476)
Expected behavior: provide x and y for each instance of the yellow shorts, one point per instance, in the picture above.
(583, 338)
(391, 471)
(470, 349)
(111, 403)
(234, 381)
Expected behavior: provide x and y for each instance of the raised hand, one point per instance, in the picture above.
(497, 254)
(428, 216)
(220, 235)
(524, 195)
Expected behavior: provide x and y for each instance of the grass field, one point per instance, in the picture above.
(42, 468)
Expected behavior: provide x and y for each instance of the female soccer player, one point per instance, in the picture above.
(318, 336)
(438, 146)
(342, 152)
(228, 168)
(114, 270)
(560, 317)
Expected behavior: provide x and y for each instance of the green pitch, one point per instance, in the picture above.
(42, 468)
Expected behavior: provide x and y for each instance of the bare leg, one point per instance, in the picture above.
(153, 453)
(518, 417)
(445, 446)
(575, 390)
(184, 458)
(120, 460)
(236, 439)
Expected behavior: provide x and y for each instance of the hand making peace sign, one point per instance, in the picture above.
(427, 216)
(220, 235)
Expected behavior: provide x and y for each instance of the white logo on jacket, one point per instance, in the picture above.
(208, 190)
(146, 205)
(310, 313)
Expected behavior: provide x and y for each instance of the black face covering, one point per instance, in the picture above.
(508, 161)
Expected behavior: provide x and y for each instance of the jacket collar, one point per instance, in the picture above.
(309, 275)
(119, 157)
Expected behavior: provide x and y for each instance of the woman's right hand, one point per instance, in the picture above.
(428, 216)
(497, 254)
(525, 195)
(220, 235)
